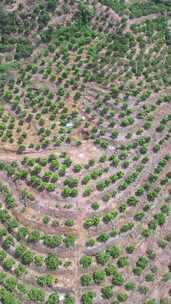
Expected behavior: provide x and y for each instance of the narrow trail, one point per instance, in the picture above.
(9, 155)
(141, 20)
(76, 153)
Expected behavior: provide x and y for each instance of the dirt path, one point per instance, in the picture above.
(141, 20)
(78, 154)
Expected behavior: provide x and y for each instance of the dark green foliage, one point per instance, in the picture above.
(88, 297)
(86, 261)
(87, 11)
(122, 297)
(116, 5)
(147, 8)
(51, 4)
(52, 261)
(23, 49)
(46, 280)
(53, 298)
(69, 299)
(37, 295)
(107, 292)
(86, 280)
(118, 279)
(52, 241)
(7, 21)
(8, 297)
(99, 277)
(93, 221)
(27, 257)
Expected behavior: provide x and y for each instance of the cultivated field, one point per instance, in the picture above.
(85, 151)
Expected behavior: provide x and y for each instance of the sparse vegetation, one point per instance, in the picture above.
(85, 133)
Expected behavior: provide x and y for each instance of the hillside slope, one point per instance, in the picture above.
(85, 133)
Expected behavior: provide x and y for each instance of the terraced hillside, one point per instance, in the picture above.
(85, 151)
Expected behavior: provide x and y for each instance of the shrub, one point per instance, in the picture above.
(107, 292)
(20, 269)
(46, 280)
(164, 301)
(142, 262)
(126, 227)
(52, 261)
(69, 240)
(110, 216)
(86, 261)
(10, 283)
(130, 286)
(51, 5)
(143, 290)
(23, 49)
(103, 237)
(118, 279)
(99, 277)
(34, 236)
(77, 168)
(114, 251)
(86, 12)
(69, 299)
(122, 297)
(71, 182)
(27, 257)
(122, 262)
(152, 301)
(68, 192)
(8, 264)
(36, 295)
(87, 279)
(39, 260)
(10, 201)
(151, 254)
(161, 218)
(149, 277)
(70, 222)
(88, 297)
(92, 221)
(130, 249)
(102, 257)
(53, 298)
(52, 241)
(8, 297)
